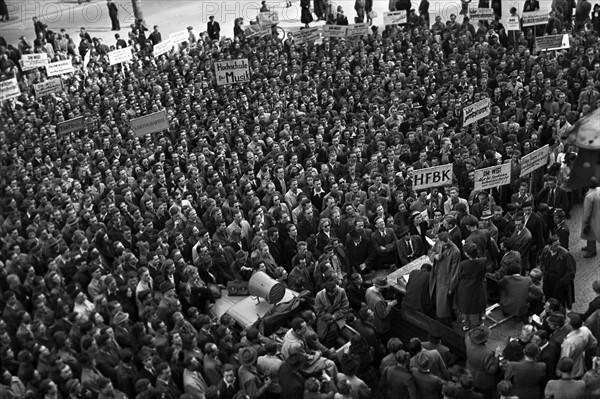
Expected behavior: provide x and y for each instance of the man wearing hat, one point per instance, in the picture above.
(380, 307)
(428, 385)
(410, 247)
(254, 383)
(482, 362)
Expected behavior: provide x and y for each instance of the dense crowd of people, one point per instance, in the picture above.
(115, 247)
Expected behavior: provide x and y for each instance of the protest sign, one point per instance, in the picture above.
(232, 71)
(9, 89)
(179, 37)
(432, 177)
(512, 23)
(533, 18)
(149, 124)
(477, 111)
(494, 176)
(48, 87)
(534, 160)
(306, 35)
(358, 30)
(32, 61)
(268, 18)
(120, 55)
(482, 14)
(395, 18)
(59, 68)
(72, 125)
(257, 30)
(552, 42)
(338, 31)
(163, 47)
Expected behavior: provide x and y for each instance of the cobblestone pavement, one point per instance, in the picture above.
(588, 270)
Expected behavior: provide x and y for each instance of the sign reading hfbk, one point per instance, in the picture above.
(512, 23)
(149, 124)
(358, 30)
(491, 177)
(72, 125)
(432, 177)
(532, 18)
(32, 61)
(552, 42)
(534, 160)
(395, 18)
(163, 47)
(49, 86)
(232, 71)
(337, 31)
(120, 55)
(9, 89)
(59, 68)
(477, 111)
(306, 35)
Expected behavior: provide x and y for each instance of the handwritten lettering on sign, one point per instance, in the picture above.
(232, 71)
(494, 176)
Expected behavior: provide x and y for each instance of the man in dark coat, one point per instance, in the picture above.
(482, 362)
(384, 244)
(359, 251)
(417, 291)
(213, 28)
(290, 378)
(559, 268)
(410, 247)
(397, 381)
(113, 13)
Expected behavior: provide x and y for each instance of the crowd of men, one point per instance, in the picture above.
(114, 247)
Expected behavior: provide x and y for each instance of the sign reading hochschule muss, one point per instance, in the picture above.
(232, 71)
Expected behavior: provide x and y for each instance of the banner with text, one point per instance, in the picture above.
(268, 18)
(481, 14)
(9, 89)
(49, 86)
(180, 37)
(232, 71)
(395, 18)
(149, 124)
(72, 125)
(257, 30)
(534, 160)
(306, 35)
(432, 177)
(337, 31)
(32, 61)
(358, 30)
(494, 176)
(477, 111)
(533, 18)
(120, 55)
(552, 42)
(163, 47)
(59, 68)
